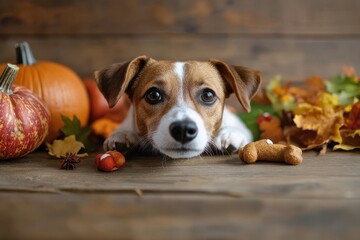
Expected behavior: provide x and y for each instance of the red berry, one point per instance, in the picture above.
(264, 117)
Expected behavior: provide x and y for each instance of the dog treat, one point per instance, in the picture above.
(109, 161)
(265, 150)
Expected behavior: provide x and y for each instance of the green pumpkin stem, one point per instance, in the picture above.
(24, 54)
(7, 78)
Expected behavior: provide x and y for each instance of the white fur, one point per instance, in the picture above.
(233, 132)
(126, 133)
(180, 72)
(169, 146)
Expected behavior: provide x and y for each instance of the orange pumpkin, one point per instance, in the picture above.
(58, 86)
(99, 107)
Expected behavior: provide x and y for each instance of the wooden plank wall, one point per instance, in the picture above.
(288, 37)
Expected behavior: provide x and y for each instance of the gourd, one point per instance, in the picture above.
(58, 86)
(24, 119)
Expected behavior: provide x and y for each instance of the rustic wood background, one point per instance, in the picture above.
(289, 37)
(201, 198)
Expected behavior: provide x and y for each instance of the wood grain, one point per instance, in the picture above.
(225, 175)
(200, 198)
(164, 216)
(77, 17)
(295, 59)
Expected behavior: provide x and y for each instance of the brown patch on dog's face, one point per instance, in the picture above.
(159, 75)
(201, 79)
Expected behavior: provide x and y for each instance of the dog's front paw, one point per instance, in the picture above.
(121, 141)
(230, 139)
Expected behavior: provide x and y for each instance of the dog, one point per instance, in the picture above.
(178, 108)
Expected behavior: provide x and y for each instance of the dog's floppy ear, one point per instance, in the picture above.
(115, 80)
(242, 81)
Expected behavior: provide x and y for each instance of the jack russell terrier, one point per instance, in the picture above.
(178, 107)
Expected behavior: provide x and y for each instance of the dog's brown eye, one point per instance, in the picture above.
(153, 96)
(208, 96)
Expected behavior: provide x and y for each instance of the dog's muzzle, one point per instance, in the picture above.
(181, 133)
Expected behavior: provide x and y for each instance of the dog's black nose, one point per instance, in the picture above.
(183, 131)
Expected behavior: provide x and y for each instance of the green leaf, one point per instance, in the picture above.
(73, 127)
(250, 118)
(345, 87)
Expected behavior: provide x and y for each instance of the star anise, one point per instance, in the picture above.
(70, 161)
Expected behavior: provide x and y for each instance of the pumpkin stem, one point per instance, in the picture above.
(24, 54)
(7, 78)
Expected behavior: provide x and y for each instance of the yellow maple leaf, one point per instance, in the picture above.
(321, 124)
(59, 148)
(327, 100)
(307, 116)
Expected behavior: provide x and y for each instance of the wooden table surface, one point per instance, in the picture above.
(201, 198)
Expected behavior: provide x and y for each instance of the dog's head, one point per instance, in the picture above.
(178, 105)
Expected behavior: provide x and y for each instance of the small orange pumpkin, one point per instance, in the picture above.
(99, 107)
(58, 86)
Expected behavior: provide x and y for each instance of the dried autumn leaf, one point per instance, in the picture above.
(300, 94)
(308, 117)
(59, 148)
(315, 83)
(345, 147)
(73, 127)
(305, 139)
(350, 142)
(326, 100)
(322, 124)
(351, 131)
(352, 121)
(271, 129)
(250, 118)
(279, 96)
(355, 133)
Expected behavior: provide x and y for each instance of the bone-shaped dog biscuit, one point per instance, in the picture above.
(265, 150)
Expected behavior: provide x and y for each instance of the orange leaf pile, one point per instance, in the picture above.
(317, 114)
